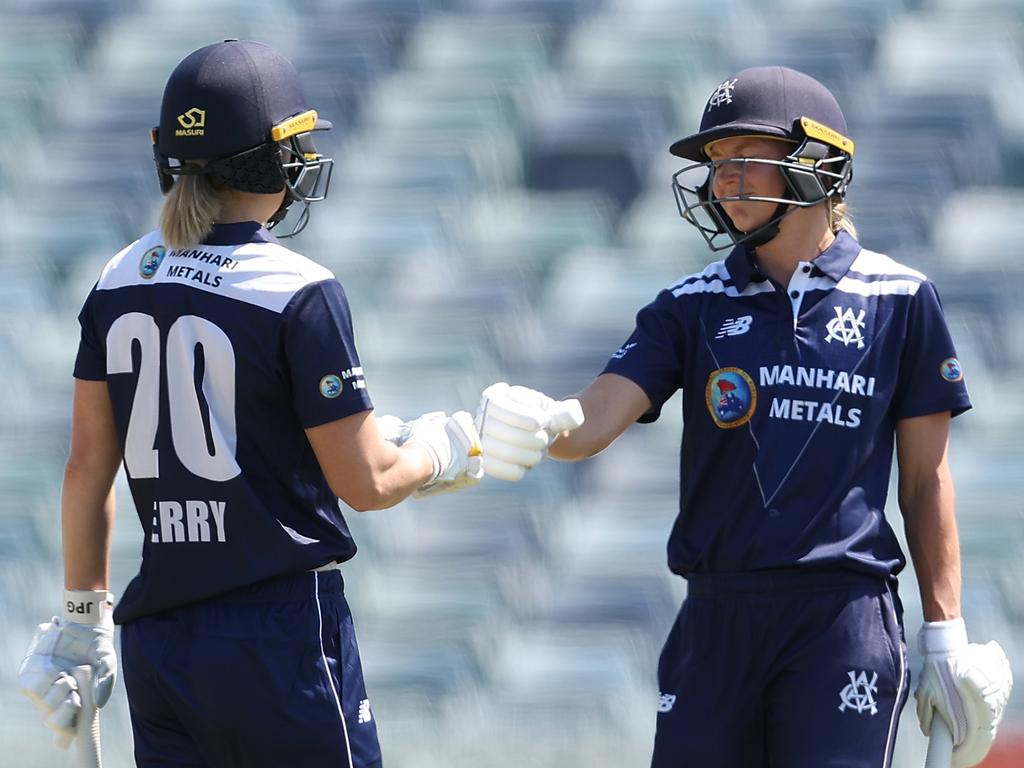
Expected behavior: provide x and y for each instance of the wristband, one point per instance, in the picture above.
(88, 606)
(942, 637)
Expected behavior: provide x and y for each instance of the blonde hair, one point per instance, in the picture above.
(839, 217)
(189, 211)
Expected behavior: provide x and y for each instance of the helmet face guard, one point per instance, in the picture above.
(815, 171)
(307, 178)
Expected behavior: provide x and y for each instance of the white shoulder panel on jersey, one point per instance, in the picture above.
(713, 279)
(885, 276)
(267, 275)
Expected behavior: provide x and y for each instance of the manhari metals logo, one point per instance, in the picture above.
(192, 122)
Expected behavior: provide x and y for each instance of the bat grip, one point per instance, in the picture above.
(940, 745)
(87, 742)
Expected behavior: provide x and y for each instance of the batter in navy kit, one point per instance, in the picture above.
(221, 368)
(801, 356)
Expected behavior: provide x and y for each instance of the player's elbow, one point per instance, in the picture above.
(365, 493)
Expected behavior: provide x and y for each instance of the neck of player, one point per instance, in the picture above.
(238, 206)
(803, 235)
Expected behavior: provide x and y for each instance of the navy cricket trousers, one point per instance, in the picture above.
(268, 675)
(782, 669)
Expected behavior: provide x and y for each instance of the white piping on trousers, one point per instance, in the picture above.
(894, 717)
(327, 669)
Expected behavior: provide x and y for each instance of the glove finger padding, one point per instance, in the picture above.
(517, 424)
(497, 431)
(497, 403)
(496, 450)
(63, 719)
(503, 470)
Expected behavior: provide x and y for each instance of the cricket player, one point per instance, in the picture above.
(803, 358)
(220, 367)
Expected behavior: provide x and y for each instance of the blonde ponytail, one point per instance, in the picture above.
(189, 211)
(840, 218)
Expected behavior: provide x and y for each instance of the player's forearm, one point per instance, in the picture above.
(391, 477)
(930, 524)
(582, 443)
(610, 405)
(87, 519)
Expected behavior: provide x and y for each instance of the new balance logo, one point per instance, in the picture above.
(621, 351)
(666, 701)
(364, 712)
(735, 326)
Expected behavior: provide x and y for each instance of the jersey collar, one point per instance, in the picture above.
(238, 233)
(834, 261)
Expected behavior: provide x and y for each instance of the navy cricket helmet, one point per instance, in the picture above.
(775, 102)
(239, 106)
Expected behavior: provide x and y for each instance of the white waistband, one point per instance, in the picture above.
(331, 566)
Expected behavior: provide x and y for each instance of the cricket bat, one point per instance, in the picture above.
(87, 742)
(940, 745)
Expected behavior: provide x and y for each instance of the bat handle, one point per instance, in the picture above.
(87, 742)
(940, 745)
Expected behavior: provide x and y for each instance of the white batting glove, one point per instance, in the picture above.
(966, 684)
(82, 635)
(517, 425)
(454, 447)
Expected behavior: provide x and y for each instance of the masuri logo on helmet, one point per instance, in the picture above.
(192, 122)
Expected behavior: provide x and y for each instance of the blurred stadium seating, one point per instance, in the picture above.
(500, 209)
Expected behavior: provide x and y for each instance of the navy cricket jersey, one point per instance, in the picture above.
(790, 401)
(216, 358)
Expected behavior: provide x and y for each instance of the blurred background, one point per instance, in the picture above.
(499, 211)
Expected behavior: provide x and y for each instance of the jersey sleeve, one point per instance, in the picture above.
(323, 365)
(653, 355)
(91, 361)
(930, 378)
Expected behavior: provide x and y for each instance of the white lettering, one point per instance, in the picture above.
(217, 508)
(197, 516)
(171, 526)
(779, 408)
(174, 521)
(853, 418)
(805, 377)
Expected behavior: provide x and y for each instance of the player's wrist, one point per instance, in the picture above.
(88, 606)
(939, 638)
(433, 463)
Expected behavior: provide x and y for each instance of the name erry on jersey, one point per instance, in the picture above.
(189, 521)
